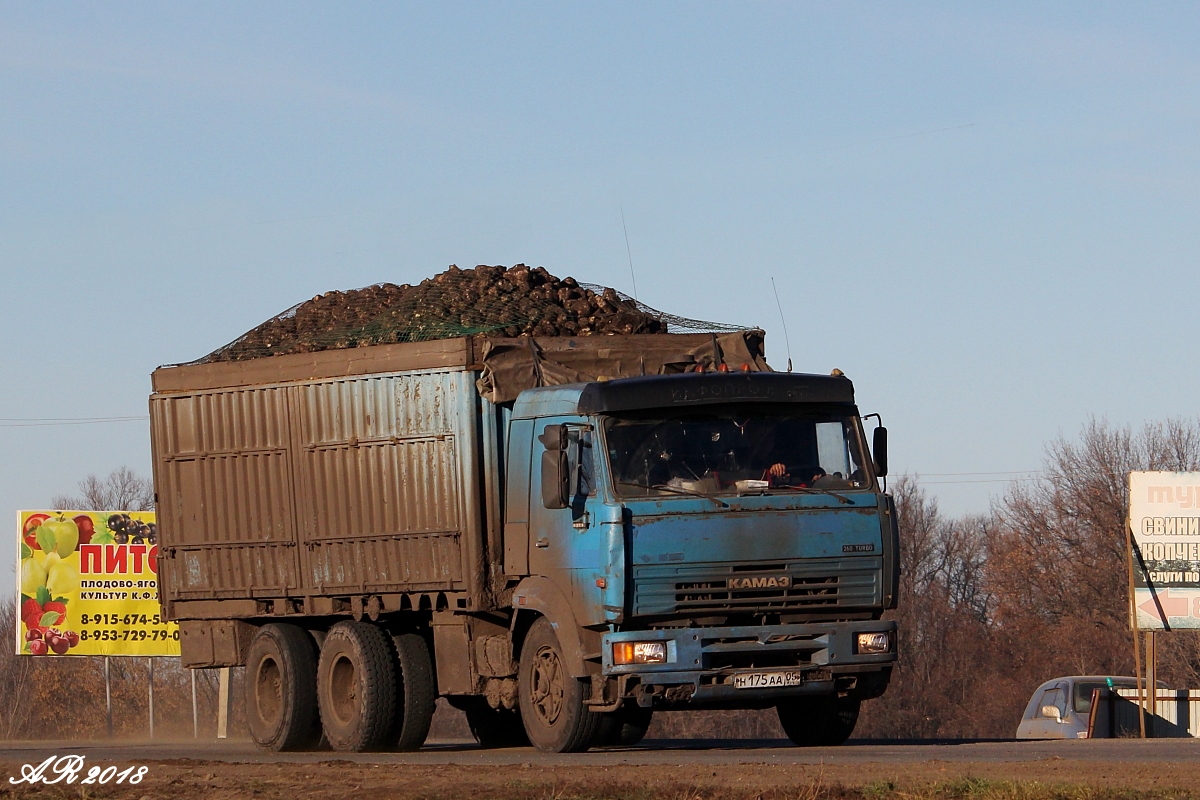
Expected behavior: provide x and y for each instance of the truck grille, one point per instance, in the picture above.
(762, 588)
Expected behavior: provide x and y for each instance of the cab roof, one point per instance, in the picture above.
(686, 389)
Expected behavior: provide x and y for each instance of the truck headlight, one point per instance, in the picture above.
(639, 653)
(873, 643)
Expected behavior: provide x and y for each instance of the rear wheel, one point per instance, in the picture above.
(552, 700)
(818, 721)
(415, 693)
(492, 727)
(356, 687)
(281, 689)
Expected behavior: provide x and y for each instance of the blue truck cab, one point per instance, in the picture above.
(702, 540)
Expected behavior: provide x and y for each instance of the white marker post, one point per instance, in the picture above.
(195, 711)
(223, 705)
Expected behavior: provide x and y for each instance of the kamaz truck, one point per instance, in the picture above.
(559, 536)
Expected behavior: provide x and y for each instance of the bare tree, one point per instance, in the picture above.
(943, 619)
(122, 490)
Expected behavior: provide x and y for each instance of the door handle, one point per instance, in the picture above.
(542, 542)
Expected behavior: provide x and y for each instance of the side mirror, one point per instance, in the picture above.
(554, 437)
(1052, 712)
(556, 489)
(556, 478)
(879, 451)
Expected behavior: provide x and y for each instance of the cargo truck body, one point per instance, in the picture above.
(368, 529)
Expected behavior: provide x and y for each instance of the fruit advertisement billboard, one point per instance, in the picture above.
(87, 585)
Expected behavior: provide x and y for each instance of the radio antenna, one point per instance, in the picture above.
(629, 252)
(782, 319)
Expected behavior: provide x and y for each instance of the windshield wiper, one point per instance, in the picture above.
(806, 490)
(673, 490)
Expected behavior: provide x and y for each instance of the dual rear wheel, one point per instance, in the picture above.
(363, 689)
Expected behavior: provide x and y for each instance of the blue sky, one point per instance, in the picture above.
(986, 217)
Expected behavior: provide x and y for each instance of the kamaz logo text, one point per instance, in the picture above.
(763, 582)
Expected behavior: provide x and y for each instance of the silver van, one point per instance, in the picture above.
(1060, 708)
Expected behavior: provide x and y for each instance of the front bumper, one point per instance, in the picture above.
(702, 662)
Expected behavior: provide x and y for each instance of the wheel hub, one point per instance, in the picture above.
(546, 685)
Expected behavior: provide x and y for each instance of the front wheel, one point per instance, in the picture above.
(627, 726)
(818, 721)
(552, 700)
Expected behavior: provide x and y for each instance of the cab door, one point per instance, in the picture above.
(565, 544)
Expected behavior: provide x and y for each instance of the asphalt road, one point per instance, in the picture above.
(672, 752)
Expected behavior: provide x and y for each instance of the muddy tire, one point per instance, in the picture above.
(552, 701)
(281, 689)
(818, 721)
(415, 692)
(356, 687)
(627, 726)
(492, 727)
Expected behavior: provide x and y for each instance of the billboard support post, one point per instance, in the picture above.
(108, 696)
(150, 681)
(1133, 620)
(1152, 676)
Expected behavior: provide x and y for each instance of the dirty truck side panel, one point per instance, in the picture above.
(381, 467)
(366, 484)
(226, 512)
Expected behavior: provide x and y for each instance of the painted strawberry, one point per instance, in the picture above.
(57, 607)
(31, 608)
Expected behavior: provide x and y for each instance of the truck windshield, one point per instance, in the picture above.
(734, 449)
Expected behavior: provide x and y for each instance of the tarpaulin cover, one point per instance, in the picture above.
(511, 366)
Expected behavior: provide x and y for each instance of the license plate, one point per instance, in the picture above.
(767, 680)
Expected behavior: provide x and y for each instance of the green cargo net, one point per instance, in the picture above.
(487, 300)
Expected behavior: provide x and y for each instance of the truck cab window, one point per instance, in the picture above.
(735, 448)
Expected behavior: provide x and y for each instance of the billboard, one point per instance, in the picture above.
(1164, 516)
(87, 585)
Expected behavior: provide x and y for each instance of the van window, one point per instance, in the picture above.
(1052, 697)
(1083, 691)
(1083, 696)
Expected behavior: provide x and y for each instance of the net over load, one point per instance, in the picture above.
(488, 300)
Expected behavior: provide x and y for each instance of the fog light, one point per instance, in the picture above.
(639, 652)
(873, 643)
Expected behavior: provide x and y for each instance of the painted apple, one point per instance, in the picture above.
(61, 534)
(87, 528)
(29, 532)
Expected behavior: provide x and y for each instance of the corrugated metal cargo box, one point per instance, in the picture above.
(362, 484)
